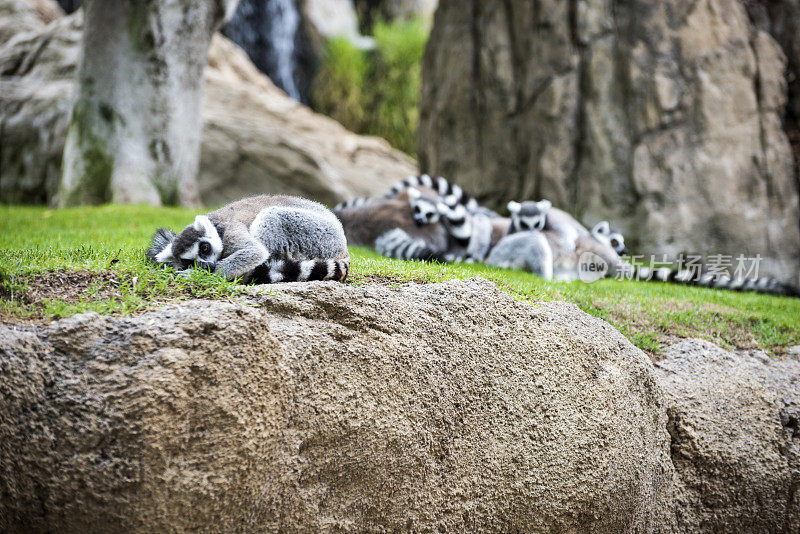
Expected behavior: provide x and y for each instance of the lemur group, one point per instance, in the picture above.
(277, 238)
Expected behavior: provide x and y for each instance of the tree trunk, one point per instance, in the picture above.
(134, 134)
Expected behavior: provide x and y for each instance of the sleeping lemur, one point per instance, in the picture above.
(261, 239)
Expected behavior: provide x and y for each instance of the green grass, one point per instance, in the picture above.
(376, 92)
(109, 241)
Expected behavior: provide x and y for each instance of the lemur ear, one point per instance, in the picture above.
(202, 224)
(544, 205)
(514, 207)
(413, 193)
(601, 228)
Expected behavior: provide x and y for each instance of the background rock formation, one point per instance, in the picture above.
(255, 139)
(663, 117)
(331, 407)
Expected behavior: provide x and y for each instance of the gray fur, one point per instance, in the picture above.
(528, 250)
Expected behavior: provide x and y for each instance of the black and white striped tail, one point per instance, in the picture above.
(275, 271)
(398, 244)
(458, 223)
(452, 194)
(717, 281)
(355, 203)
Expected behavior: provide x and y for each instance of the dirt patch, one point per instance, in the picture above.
(377, 280)
(30, 295)
(70, 286)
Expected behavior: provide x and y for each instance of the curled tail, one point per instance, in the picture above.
(274, 271)
(452, 194)
(716, 281)
(355, 203)
(398, 244)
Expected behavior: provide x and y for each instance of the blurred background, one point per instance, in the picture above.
(677, 120)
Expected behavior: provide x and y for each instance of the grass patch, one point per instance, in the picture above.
(375, 92)
(55, 263)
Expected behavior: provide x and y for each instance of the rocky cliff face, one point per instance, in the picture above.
(333, 408)
(255, 139)
(663, 117)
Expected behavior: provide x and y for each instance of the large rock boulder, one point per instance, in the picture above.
(255, 139)
(446, 407)
(733, 418)
(664, 117)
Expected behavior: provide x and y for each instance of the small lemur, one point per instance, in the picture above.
(421, 201)
(260, 239)
(613, 237)
(526, 213)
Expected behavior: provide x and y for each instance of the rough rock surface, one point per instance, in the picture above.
(255, 139)
(733, 418)
(664, 117)
(332, 407)
(781, 18)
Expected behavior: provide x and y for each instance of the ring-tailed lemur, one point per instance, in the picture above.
(423, 204)
(605, 232)
(381, 223)
(261, 239)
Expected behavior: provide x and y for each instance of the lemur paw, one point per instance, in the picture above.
(186, 273)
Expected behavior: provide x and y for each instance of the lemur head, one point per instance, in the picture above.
(424, 208)
(528, 215)
(200, 243)
(603, 232)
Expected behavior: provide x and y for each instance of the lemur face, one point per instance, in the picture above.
(424, 208)
(199, 244)
(529, 215)
(603, 232)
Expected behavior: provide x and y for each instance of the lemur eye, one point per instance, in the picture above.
(205, 249)
(416, 209)
(614, 243)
